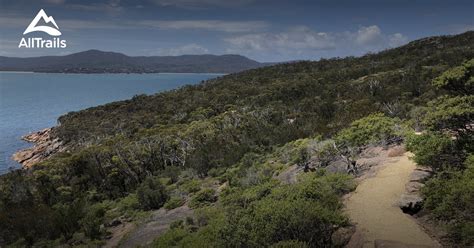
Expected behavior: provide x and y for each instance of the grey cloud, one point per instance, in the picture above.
(55, 1)
(111, 7)
(397, 39)
(209, 25)
(308, 42)
(199, 4)
(293, 39)
(368, 36)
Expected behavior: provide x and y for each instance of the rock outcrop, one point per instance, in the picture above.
(411, 201)
(44, 147)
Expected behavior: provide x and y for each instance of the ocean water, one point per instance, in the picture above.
(32, 101)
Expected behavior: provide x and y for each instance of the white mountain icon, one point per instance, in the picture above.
(47, 19)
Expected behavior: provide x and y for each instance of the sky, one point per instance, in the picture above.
(263, 30)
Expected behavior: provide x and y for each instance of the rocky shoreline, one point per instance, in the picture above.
(44, 147)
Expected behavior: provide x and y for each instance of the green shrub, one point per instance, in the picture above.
(177, 224)
(191, 186)
(128, 203)
(373, 129)
(458, 79)
(171, 172)
(304, 214)
(174, 202)
(450, 197)
(290, 244)
(463, 233)
(236, 197)
(171, 238)
(308, 211)
(92, 221)
(151, 194)
(203, 198)
(428, 148)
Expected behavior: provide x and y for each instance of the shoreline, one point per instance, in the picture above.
(43, 147)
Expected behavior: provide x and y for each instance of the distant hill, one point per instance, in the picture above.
(95, 61)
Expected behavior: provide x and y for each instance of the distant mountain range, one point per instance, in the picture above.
(95, 61)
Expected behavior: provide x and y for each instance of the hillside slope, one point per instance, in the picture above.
(320, 97)
(219, 146)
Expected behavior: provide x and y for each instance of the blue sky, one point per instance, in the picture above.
(264, 30)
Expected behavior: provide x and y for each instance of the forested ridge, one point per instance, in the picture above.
(95, 61)
(126, 158)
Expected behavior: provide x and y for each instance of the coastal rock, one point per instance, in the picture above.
(44, 147)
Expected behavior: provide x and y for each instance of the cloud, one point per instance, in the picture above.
(293, 39)
(397, 39)
(372, 37)
(208, 25)
(55, 1)
(306, 42)
(200, 4)
(211, 25)
(368, 35)
(112, 7)
(186, 49)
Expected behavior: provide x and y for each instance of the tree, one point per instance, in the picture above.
(458, 80)
(451, 114)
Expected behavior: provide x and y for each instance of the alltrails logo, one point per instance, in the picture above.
(38, 42)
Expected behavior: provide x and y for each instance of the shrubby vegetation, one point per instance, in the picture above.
(174, 202)
(373, 129)
(448, 147)
(203, 198)
(151, 194)
(450, 196)
(243, 129)
(267, 214)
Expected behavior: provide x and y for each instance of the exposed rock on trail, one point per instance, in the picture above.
(411, 201)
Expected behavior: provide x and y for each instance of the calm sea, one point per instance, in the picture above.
(33, 101)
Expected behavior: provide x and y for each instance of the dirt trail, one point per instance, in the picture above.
(157, 224)
(373, 206)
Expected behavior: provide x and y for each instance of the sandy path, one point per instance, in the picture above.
(158, 223)
(373, 207)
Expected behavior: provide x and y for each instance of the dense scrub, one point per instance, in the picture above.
(448, 147)
(241, 129)
(266, 214)
(318, 97)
